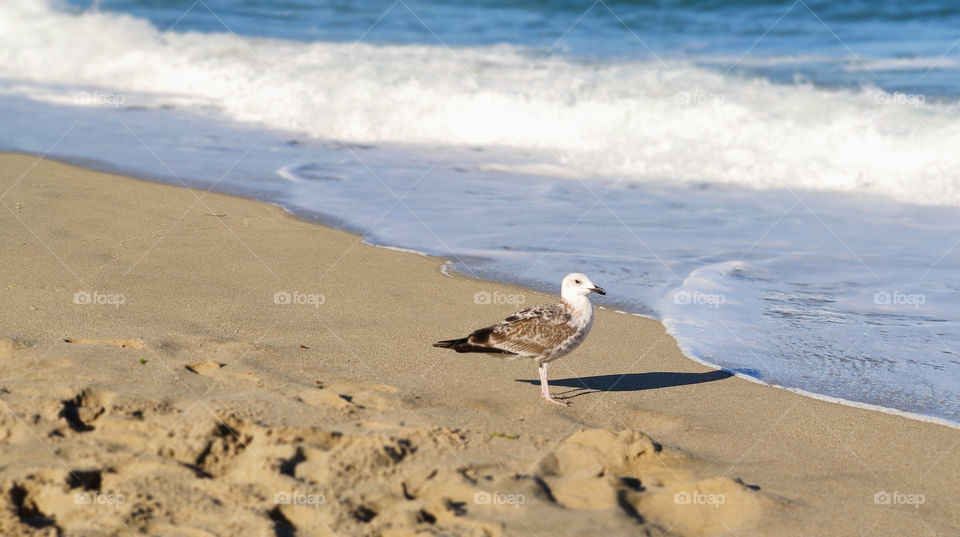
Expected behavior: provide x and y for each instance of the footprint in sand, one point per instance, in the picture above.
(205, 368)
(375, 396)
(7, 346)
(323, 397)
(600, 469)
(83, 410)
(12, 429)
(122, 343)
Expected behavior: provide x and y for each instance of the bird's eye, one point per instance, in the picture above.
(576, 281)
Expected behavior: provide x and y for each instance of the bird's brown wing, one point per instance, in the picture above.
(528, 332)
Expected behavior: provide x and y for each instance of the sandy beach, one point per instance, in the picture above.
(177, 362)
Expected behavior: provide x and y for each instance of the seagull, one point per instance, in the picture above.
(544, 333)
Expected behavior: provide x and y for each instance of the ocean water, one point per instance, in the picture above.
(779, 182)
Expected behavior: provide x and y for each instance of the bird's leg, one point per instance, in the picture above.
(545, 386)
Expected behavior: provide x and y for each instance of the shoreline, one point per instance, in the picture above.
(823, 397)
(260, 397)
(334, 222)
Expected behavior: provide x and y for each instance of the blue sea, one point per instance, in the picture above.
(778, 182)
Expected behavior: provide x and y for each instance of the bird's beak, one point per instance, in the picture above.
(598, 290)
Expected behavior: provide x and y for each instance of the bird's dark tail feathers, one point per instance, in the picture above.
(464, 345)
(450, 343)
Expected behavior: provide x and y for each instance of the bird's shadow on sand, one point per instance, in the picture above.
(630, 382)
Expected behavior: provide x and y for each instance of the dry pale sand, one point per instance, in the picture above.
(183, 400)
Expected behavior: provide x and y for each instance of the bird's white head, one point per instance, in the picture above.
(577, 286)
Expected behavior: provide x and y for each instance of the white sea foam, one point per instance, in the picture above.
(902, 64)
(643, 121)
